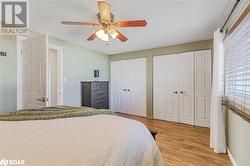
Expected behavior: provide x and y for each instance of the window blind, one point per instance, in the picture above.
(237, 69)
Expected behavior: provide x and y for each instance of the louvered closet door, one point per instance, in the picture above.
(186, 88)
(202, 87)
(128, 86)
(166, 85)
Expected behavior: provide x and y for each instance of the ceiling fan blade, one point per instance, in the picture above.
(104, 10)
(79, 23)
(134, 23)
(121, 37)
(92, 37)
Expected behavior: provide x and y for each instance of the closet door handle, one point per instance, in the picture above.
(175, 92)
(128, 90)
(43, 99)
(182, 92)
(124, 89)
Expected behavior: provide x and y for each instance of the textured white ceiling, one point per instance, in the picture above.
(169, 21)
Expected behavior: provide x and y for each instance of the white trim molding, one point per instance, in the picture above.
(59, 50)
(230, 155)
(19, 48)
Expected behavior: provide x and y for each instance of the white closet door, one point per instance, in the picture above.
(186, 89)
(136, 86)
(202, 87)
(166, 85)
(128, 86)
(118, 96)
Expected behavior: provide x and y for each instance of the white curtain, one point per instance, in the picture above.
(217, 123)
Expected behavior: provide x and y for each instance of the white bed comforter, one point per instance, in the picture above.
(83, 141)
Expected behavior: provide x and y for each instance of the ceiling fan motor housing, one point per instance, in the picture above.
(104, 21)
(108, 25)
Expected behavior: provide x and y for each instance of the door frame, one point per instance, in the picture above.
(59, 51)
(19, 64)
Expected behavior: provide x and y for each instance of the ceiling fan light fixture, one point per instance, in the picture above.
(102, 35)
(114, 35)
(107, 27)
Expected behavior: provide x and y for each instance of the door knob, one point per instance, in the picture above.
(124, 89)
(43, 99)
(128, 90)
(175, 92)
(182, 92)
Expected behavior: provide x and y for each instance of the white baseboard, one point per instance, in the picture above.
(231, 157)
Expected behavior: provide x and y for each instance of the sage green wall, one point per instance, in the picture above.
(78, 65)
(8, 72)
(238, 130)
(149, 53)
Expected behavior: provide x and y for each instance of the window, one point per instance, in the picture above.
(237, 69)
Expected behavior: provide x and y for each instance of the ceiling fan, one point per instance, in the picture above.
(107, 27)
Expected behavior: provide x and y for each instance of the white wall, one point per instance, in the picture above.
(79, 63)
(8, 74)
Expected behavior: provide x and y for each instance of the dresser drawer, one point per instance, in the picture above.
(100, 103)
(99, 94)
(99, 86)
(101, 106)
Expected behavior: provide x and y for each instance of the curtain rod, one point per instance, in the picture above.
(236, 3)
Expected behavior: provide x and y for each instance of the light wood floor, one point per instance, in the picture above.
(183, 145)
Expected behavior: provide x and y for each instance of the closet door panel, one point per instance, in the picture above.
(186, 89)
(159, 106)
(172, 71)
(136, 88)
(202, 87)
(166, 82)
(128, 86)
(118, 96)
(171, 107)
(189, 74)
(159, 91)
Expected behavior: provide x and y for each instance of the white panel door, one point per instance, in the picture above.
(118, 81)
(202, 87)
(166, 84)
(136, 86)
(186, 88)
(128, 86)
(35, 53)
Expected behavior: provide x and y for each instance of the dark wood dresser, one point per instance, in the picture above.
(95, 94)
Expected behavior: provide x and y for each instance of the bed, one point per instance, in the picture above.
(101, 139)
